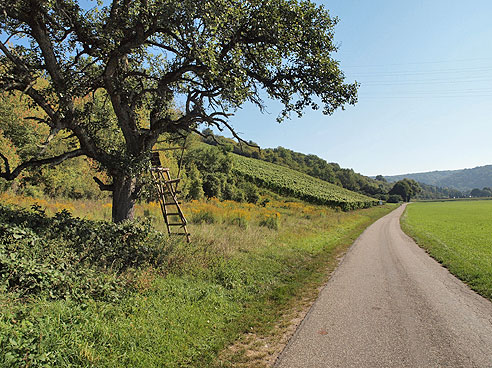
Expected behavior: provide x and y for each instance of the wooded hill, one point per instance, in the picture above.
(319, 168)
(309, 164)
(463, 180)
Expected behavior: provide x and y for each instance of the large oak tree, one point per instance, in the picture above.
(139, 58)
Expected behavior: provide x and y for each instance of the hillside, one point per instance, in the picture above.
(330, 172)
(465, 179)
(285, 181)
(309, 164)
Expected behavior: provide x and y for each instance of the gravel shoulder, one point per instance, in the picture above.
(390, 305)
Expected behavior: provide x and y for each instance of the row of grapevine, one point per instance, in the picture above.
(288, 182)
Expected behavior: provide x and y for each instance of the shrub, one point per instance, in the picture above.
(212, 186)
(66, 257)
(251, 192)
(394, 198)
(264, 202)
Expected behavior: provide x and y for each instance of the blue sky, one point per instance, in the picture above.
(425, 101)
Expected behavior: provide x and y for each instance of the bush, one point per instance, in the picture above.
(212, 186)
(251, 192)
(65, 257)
(394, 198)
(239, 221)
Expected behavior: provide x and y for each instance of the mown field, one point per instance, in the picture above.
(457, 234)
(79, 292)
(288, 182)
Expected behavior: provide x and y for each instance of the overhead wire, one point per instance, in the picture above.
(386, 81)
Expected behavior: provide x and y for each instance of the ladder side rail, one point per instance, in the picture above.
(162, 199)
(167, 189)
(175, 199)
(178, 207)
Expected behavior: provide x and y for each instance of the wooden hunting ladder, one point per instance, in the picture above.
(167, 189)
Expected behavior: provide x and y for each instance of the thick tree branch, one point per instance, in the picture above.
(102, 186)
(164, 47)
(41, 35)
(6, 163)
(11, 175)
(15, 59)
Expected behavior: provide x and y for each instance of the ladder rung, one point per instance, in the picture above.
(171, 203)
(158, 168)
(173, 214)
(187, 234)
(175, 224)
(172, 181)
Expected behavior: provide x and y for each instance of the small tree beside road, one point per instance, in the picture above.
(405, 188)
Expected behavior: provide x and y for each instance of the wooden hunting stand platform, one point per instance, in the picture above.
(167, 189)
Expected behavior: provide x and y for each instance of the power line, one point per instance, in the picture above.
(424, 81)
(426, 96)
(422, 72)
(417, 63)
(439, 83)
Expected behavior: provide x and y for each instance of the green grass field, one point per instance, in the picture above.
(457, 234)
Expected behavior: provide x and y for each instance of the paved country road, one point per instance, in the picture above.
(390, 305)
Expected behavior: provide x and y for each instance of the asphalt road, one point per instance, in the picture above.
(390, 305)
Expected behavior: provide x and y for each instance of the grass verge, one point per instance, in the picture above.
(457, 234)
(181, 310)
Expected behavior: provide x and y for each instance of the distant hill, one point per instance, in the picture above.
(464, 180)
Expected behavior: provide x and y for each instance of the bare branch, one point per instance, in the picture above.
(206, 136)
(53, 132)
(164, 47)
(213, 120)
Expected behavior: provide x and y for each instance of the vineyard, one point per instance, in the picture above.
(288, 182)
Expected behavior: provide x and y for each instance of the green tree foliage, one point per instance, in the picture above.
(485, 192)
(214, 55)
(195, 186)
(405, 188)
(402, 189)
(210, 173)
(463, 180)
(394, 198)
(24, 138)
(434, 192)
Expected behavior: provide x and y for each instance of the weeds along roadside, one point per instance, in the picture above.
(174, 311)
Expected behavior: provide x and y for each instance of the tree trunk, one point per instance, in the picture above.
(123, 198)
